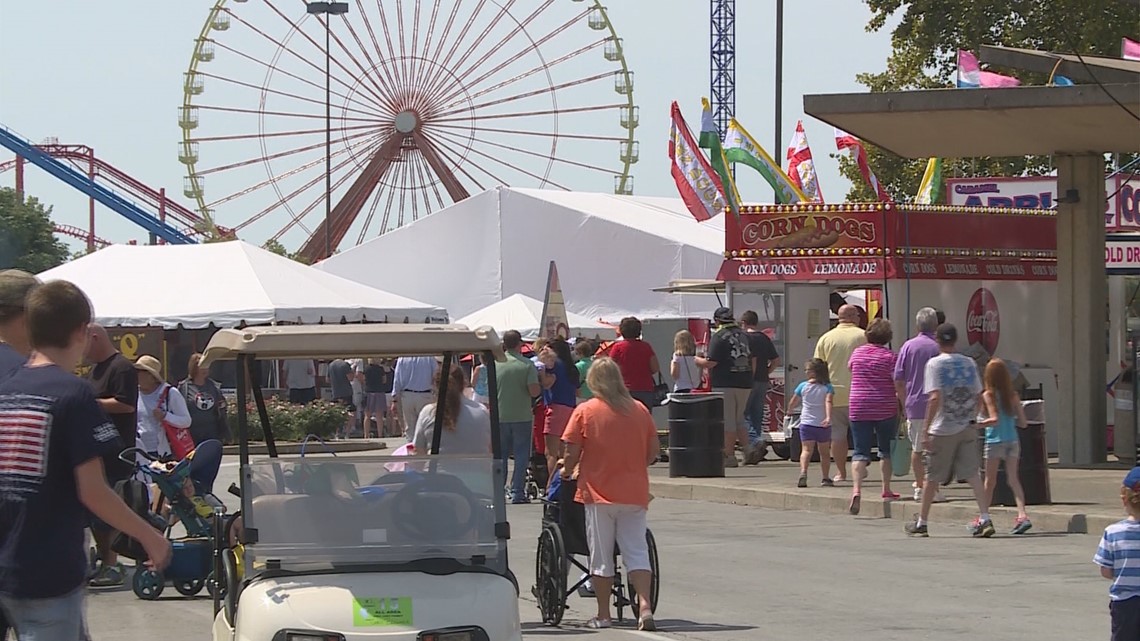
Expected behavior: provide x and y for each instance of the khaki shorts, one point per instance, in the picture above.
(735, 400)
(914, 429)
(953, 457)
(840, 424)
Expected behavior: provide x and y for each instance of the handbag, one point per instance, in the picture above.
(900, 451)
(660, 391)
(181, 443)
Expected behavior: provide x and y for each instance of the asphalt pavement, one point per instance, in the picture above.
(742, 573)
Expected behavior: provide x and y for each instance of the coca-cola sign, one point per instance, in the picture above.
(983, 321)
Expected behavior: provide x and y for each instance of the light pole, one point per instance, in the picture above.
(779, 97)
(328, 9)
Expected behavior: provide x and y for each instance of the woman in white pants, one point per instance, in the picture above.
(611, 441)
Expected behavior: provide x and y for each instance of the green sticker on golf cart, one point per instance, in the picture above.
(380, 612)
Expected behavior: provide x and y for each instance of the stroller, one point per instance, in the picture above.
(185, 497)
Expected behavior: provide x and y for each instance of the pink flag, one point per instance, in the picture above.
(844, 140)
(801, 168)
(971, 76)
(700, 188)
(1129, 49)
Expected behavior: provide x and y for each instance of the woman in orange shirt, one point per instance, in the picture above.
(611, 440)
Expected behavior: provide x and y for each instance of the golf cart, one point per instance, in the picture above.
(328, 548)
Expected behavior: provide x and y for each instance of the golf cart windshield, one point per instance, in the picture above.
(374, 511)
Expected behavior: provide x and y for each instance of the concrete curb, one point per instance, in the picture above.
(292, 449)
(1046, 518)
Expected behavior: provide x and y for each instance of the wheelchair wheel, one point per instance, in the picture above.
(655, 585)
(189, 587)
(550, 575)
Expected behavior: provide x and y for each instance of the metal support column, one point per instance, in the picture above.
(722, 56)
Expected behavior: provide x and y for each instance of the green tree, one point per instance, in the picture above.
(924, 56)
(276, 247)
(27, 235)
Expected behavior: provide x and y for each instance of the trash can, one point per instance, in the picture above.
(1033, 465)
(696, 435)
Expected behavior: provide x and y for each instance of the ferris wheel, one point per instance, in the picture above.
(430, 102)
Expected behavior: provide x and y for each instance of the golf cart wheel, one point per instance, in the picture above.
(655, 585)
(189, 587)
(148, 584)
(550, 575)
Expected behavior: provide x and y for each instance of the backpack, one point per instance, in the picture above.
(134, 493)
(740, 354)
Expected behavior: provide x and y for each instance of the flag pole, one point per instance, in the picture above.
(779, 80)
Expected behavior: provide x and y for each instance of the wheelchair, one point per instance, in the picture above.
(560, 543)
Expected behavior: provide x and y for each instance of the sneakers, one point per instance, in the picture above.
(854, 507)
(599, 624)
(981, 529)
(803, 481)
(914, 529)
(918, 495)
(108, 576)
(730, 461)
(939, 497)
(890, 496)
(646, 623)
(827, 483)
(1021, 525)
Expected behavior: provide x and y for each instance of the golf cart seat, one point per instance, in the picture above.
(300, 519)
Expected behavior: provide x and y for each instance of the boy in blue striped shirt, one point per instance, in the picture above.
(1119, 559)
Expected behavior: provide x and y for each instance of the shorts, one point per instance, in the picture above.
(60, 618)
(952, 457)
(625, 525)
(868, 434)
(1124, 617)
(735, 401)
(345, 401)
(302, 396)
(556, 418)
(839, 423)
(914, 429)
(1002, 450)
(814, 434)
(377, 403)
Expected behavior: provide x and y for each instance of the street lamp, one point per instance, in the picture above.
(328, 9)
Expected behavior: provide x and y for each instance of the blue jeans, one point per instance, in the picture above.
(56, 619)
(754, 411)
(515, 439)
(868, 434)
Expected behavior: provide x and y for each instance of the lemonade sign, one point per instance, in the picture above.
(381, 611)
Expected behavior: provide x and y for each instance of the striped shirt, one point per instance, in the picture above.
(872, 383)
(1119, 551)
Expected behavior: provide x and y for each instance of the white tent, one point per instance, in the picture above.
(224, 284)
(524, 313)
(611, 252)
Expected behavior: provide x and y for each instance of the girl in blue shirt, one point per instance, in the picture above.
(559, 378)
(1005, 415)
(815, 394)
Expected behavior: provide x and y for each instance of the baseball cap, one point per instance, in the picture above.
(1132, 480)
(946, 334)
(15, 284)
(723, 314)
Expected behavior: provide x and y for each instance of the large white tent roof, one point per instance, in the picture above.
(523, 313)
(224, 284)
(611, 252)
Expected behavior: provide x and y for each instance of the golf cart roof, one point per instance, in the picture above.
(381, 340)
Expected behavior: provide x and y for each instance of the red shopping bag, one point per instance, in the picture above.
(181, 443)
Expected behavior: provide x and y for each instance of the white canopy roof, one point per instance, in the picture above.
(524, 314)
(611, 252)
(224, 284)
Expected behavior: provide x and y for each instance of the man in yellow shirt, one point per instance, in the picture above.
(834, 348)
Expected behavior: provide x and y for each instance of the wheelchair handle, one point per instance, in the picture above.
(235, 490)
(132, 451)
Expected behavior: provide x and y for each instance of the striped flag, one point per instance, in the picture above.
(698, 184)
(1129, 49)
(801, 168)
(844, 140)
(971, 76)
(740, 147)
(710, 140)
(930, 189)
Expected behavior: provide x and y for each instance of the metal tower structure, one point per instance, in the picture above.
(722, 56)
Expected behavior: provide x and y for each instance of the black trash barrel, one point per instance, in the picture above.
(696, 435)
(1033, 470)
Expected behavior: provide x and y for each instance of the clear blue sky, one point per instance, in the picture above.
(109, 75)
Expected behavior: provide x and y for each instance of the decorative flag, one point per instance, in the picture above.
(930, 189)
(710, 140)
(844, 140)
(801, 168)
(555, 324)
(740, 147)
(699, 186)
(971, 76)
(1129, 49)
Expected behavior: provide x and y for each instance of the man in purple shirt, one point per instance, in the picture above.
(909, 371)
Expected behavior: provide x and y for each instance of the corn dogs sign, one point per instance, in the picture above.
(805, 231)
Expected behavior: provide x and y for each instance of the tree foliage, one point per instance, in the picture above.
(27, 235)
(924, 56)
(276, 247)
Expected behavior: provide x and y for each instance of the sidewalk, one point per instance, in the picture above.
(1084, 500)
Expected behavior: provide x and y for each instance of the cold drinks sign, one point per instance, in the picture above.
(1122, 210)
(1122, 254)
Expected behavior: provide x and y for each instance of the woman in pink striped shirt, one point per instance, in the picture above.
(874, 407)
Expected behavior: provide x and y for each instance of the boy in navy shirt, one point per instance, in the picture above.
(1119, 559)
(54, 436)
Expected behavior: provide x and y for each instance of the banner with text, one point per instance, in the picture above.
(1122, 210)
